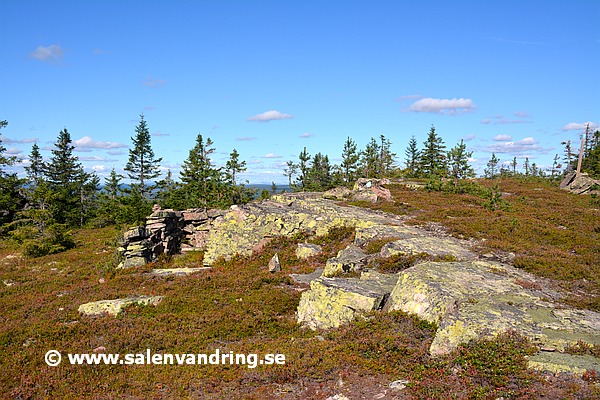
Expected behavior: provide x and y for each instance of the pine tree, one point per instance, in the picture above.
(142, 166)
(514, 166)
(303, 166)
(350, 157)
(526, 166)
(432, 161)
(458, 162)
(289, 171)
(412, 157)
(492, 167)
(386, 158)
(232, 168)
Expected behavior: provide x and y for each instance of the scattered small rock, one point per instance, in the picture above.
(274, 264)
(398, 385)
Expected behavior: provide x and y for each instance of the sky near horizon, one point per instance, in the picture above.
(270, 77)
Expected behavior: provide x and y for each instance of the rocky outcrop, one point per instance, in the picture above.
(469, 300)
(580, 183)
(114, 307)
(331, 302)
(306, 250)
(370, 190)
(350, 259)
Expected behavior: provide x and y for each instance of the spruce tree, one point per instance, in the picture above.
(11, 199)
(458, 163)
(319, 175)
(112, 184)
(66, 180)
(432, 161)
(370, 163)
(303, 166)
(142, 166)
(350, 157)
(412, 157)
(386, 158)
(201, 180)
(232, 168)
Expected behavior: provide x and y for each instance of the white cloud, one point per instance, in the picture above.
(245, 138)
(306, 135)
(442, 106)
(87, 142)
(271, 115)
(159, 133)
(51, 53)
(527, 145)
(99, 168)
(521, 114)
(576, 126)
(410, 97)
(272, 155)
(13, 151)
(502, 138)
(470, 137)
(500, 120)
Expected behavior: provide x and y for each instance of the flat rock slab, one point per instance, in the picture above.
(350, 259)
(307, 278)
(469, 300)
(177, 271)
(114, 307)
(434, 246)
(561, 362)
(331, 302)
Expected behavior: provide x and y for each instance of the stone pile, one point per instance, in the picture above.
(580, 183)
(167, 232)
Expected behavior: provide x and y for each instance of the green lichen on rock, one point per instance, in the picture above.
(331, 302)
(436, 246)
(114, 307)
(350, 259)
(560, 362)
(477, 299)
(306, 250)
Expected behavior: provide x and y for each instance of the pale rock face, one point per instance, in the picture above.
(114, 307)
(306, 250)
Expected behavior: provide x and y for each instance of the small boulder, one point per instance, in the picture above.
(350, 259)
(306, 250)
(114, 307)
(274, 264)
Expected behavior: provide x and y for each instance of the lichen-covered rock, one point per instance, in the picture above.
(306, 250)
(350, 259)
(243, 228)
(561, 362)
(580, 183)
(449, 247)
(177, 271)
(331, 302)
(469, 300)
(114, 307)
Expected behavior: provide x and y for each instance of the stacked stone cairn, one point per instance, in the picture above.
(166, 232)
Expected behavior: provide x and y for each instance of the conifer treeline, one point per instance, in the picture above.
(58, 194)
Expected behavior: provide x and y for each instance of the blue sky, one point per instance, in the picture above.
(270, 77)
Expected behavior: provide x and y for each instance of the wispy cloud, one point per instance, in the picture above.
(442, 106)
(52, 53)
(306, 135)
(410, 97)
(7, 140)
(271, 155)
(154, 82)
(579, 126)
(159, 133)
(100, 52)
(470, 137)
(526, 145)
(271, 115)
(502, 138)
(501, 120)
(95, 158)
(87, 142)
(245, 138)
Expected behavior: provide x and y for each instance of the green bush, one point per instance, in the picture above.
(55, 239)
